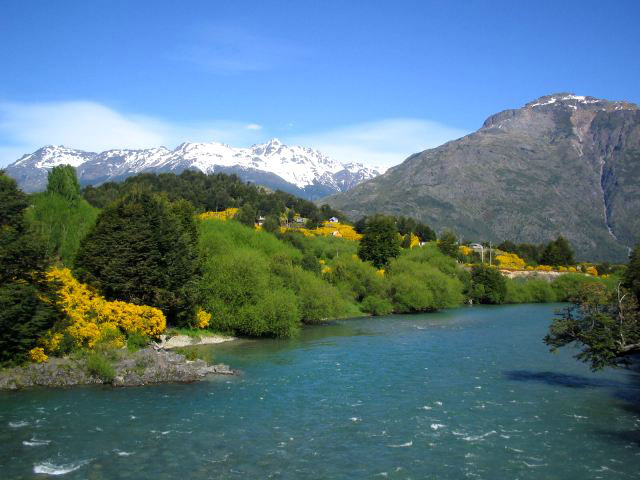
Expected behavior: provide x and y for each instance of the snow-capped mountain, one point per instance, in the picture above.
(299, 170)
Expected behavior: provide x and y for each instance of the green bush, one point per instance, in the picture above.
(61, 222)
(100, 366)
(488, 285)
(136, 341)
(376, 305)
(568, 285)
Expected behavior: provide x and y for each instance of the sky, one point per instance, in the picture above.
(366, 81)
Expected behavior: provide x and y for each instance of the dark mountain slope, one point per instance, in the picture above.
(563, 164)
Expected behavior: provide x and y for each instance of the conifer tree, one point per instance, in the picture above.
(26, 300)
(143, 250)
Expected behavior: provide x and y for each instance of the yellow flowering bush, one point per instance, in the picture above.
(326, 270)
(92, 319)
(227, 214)
(544, 268)
(202, 318)
(327, 229)
(464, 250)
(510, 261)
(572, 269)
(592, 271)
(37, 355)
(380, 272)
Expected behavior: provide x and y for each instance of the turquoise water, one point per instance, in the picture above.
(468, 393)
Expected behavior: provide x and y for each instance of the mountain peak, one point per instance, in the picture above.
(571, 100)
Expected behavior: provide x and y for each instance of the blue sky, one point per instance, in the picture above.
(368, 81)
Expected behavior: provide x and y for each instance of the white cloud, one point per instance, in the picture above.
(86, 125)
(381, 143)
(94, 127)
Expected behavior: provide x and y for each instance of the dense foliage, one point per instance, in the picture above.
(556, 252)
(143, 250)
(26, 300)
(604, 322)
(380, 241)
(487, 285)
(60, 215)
(211, 193)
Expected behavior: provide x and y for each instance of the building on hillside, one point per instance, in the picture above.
(334, 220)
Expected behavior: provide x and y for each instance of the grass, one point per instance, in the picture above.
(100, 366)
(193, 353)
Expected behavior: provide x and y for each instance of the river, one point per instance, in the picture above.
(467, 393)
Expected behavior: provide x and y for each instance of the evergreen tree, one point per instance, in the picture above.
(247, 215)
(448, 243)
(26, 299)
(632, 274)
(380, 242)
(487, 285)
(143, 249)
(424, 232)
(558, 252)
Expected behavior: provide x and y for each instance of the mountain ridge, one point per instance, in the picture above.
(298, 170)
(561, 164)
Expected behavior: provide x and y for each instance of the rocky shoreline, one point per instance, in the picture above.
(144, 367)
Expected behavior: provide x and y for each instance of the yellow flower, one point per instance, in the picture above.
(202, 318)
(37, 355)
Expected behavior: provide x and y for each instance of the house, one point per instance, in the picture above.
(299, 219)
(476, 247)
(261, 220)
(334, 220)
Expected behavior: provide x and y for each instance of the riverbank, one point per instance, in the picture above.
(147, 366)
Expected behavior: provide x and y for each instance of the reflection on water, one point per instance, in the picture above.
(468, 393)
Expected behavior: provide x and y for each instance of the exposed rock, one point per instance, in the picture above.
(147, 366)
(178, 341)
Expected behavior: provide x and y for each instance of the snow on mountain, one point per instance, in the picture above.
(300, 170)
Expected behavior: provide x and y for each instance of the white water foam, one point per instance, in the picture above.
(408, 444)
(122, 453)
(474, 438)
(19, 424)
(436, 426)
(34, 442)
(49, 468)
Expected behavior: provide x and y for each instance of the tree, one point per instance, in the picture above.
(424, 232)
(360, 225)
(26, 299)
(487, 285)
(271, 224)
(558, 252)
(380, 241)
(605, 323)
(448, 243)
(247, 215)
(143, 250)
(632, 274)
(63, 181)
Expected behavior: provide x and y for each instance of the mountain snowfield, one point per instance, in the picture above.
(299, 170)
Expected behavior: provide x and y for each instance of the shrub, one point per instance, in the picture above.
(100, 366)
(376, 305)
(488, 285)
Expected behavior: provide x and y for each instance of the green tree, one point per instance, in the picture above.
(424, 232)
(380, 242)
(487, 285)
(62, 180)
(604, 323)
(558, 252)
(448, 243)
(271, 224)
(247, 215)
(632, 274)
(26, 299)
(143, 250)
